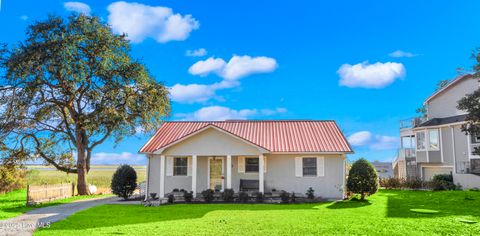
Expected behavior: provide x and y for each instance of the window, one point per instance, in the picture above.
(251, 164)
(420, 140)
(309, 166)
(433, 139)
(476, 138)
(180, 166)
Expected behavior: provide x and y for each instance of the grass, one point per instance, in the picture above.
(14, 203)
(385, 213)
(99, 176)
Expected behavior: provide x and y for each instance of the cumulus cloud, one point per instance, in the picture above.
(78, 7)
(365, 75)
(108, 158)
(400, 53)
(141, 21)
(236, 68)
(372, 141)
(196, 53)
(193, 93)
(220, 113)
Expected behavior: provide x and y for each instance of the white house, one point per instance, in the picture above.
(248, 155)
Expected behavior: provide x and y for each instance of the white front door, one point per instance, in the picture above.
(215, 173)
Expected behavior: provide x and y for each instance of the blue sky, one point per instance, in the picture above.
(365, 64)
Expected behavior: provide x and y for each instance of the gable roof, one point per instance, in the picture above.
(274, 136)
(448, 86)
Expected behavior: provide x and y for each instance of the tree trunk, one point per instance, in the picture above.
(362, 196)
(82, 186)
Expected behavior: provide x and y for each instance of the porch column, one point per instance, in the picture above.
(194, 175)
(260, 174)
(161, 193)
(229, 171)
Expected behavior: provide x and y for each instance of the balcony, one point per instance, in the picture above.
(412, 122)
(406, 153)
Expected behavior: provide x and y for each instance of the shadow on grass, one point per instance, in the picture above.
(116, 215)
(353, 203)
(411, 204)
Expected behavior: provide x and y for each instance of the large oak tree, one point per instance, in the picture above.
(68, 87)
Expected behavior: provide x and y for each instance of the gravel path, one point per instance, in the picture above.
(42, 217)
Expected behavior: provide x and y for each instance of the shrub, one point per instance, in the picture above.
(227, 195)
(208, 195)
(11, 178)
(124, 181)
(362, 178)
(188, 196)
(391, 183)
(310, 193)
(293, 198)
(175, 190)
(285, 197)
(442, 182)
(415, 183)
(171, 198)
(243, 197)
(259, 197)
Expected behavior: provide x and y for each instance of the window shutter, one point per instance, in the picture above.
(189, 166)
(264, 164)
(298, 167)
(320, 166)
(241, 164)
(169, 171)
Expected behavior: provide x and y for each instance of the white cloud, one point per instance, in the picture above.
(108, 158)
(141, 21)
(78, 7)
(24, 17)
(236, 68)
(365, 75)
(193, 93)
(207, 66)
(220, 113)
(196, 53)
(374, 142)
(400, 53)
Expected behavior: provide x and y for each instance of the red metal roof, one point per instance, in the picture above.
(274, 136)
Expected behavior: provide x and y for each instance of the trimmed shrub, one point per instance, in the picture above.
(285, 197)
(362, 178)
(124, 181)
(310, 193)
(243, 197)
(171, 198)
(416, 183)
(227, 195)
(208, 195)
(259, 197)
(442, 182)
(293, 199)
(188, 196)
(11, 178)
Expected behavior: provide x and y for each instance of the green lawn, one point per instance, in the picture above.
(386, 213)
(14, 203)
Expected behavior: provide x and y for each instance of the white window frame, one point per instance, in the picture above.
(173, 166)
(438, 140)
(425, 142)
(320, 172)
(245, 163)
(303, 167)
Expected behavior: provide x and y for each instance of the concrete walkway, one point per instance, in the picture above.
(42, 217)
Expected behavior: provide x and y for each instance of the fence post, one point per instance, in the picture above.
(28, 190)
(73, 189)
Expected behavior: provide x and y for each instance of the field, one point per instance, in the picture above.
(389, 212)
(99, 176)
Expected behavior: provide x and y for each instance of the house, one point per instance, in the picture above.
(435, 144)
(384, 169)
(248, 155)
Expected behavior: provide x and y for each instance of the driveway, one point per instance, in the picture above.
(43, 217)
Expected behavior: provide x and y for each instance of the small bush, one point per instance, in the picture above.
(362, 178)
(391, 183)
(285, 197)
(227, 195)
(208, 195)
(310, 193)
(243, 197)
(415, 183)
(259, 197)
(442, 182)
(175, 190)
(171, 198)
(124, 181)
(188, 196)
(293, 199)
(11, 178)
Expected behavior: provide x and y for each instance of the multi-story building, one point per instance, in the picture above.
(435, 144)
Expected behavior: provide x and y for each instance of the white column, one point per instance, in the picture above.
(147, 192)
(229, 171)
(194, 175)
(260, 174)
(161, 193)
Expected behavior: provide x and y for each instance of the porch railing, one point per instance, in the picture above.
(412, 122)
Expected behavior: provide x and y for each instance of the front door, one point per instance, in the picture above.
(215, 174)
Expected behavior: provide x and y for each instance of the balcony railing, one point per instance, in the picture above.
(405, 153)
(469, 167)
(412, 122)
